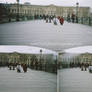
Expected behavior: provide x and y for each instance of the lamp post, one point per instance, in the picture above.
(40, 55)
(77, 6)
(17, 17)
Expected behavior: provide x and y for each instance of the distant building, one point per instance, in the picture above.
(85, 57)
(28, 10)
(67, 58)
(24, 58)
(49, 10)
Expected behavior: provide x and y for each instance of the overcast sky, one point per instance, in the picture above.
(83, 49)
(55, 2)
(25, 49)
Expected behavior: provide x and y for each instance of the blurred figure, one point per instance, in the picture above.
(73, 18)
(55, 21)
(61, 20)
(25, 68)
(68, 18)
(82, 66)
(10, 66)
(13, 65)
(19, 68)
(90, 69)
(50, 19)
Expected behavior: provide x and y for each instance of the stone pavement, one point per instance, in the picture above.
(32, 81)
(46, 35)
(74, 80)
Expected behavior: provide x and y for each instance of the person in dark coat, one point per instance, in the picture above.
(61, 20)
(25, 68)
(73, 18)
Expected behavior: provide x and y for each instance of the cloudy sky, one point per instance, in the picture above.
(83, 49)
(55, 2)
(25, 49)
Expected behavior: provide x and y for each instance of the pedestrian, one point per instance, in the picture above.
(31, 65)
(13, 66)
(68, 18)
(46, 20)
(19, 68)
(85, 66)
(82, 66)
(36, 65)
(49, 19)
(25, 68)
(73, 18)
(10, 66)
(54, 21)
(90, 68)
(61, 20)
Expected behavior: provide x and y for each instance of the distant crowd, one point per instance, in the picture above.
(58, 19)
(19, 67)
(54, 19)
(84, 66)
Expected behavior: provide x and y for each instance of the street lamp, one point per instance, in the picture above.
(17, 18)
(40, 54)
(77, 6)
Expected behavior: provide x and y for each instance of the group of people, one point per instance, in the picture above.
(72, 18)
(61, 20)
(19, 67)
(84, 66)
(35, 65)
(55, 20)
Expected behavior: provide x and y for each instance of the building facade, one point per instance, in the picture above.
(86, 57)
(25, 58)
(28, 11)
(67, 58)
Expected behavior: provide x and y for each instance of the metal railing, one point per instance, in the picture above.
(81, 20)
